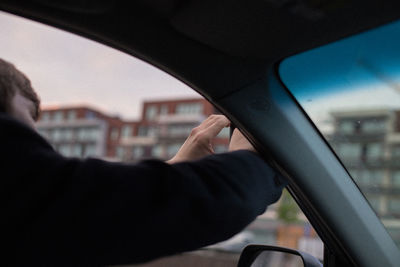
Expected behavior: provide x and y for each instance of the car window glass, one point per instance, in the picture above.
(351, 91)
(99, 102)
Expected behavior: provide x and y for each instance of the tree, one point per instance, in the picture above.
(287, 209)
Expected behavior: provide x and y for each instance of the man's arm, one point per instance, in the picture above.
(95, 212)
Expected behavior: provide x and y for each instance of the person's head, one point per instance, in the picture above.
(17, 97)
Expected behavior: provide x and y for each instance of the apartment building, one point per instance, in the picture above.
(368, 143)
(163, 128)
(80, 131)
(160, 131)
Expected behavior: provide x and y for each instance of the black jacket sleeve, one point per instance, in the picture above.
(92, 212)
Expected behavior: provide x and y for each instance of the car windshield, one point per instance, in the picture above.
(351, 91)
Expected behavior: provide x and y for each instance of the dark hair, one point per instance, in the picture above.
(13, 81)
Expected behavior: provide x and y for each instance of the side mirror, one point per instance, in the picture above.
(269, 256)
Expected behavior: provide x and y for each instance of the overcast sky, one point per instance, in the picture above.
(69, 70)
(66, 69)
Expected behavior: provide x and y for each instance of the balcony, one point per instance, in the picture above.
(386, 190)
(181, 118)
(338, 137)
(138, 141)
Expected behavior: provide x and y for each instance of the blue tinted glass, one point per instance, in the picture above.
(368, 58)
(351, 91)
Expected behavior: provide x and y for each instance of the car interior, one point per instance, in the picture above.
(229, 52)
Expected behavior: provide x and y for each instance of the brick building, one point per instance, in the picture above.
(80, 131)
(163, 127)
(160, 131)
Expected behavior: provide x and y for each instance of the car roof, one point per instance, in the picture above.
(228, 41)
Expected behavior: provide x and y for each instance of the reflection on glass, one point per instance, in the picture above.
(351, 91)
(277, 258)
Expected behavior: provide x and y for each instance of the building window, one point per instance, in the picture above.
(396, 151)
(164, 109)
(179, 130)
(43, 133)
(90, 115)
(374, 150)
(152, 131)
(189, 108)
(349, 150)
(58, 116)
(76, 150)
(137, 152)
(224, 133)
(346, 127)
(94, 134)
(370, 177)
(120, 152)
(157, 151)
(65, 150)
(394, 205)
(151, 112)
(71, 115)
(114, 134)
(396, 178)
(220, 148)
(142, 131)
(82, 135)
(373, 126)
(88, 134)
(172, 149)
(50, 135)
(126, 131)
(45, 116)
(56, 135)
(67, 134)
(90, 151)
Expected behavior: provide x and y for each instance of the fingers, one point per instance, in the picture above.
(214, 129)
(207, 122)
(198, 144)
(211, 120)
(211, 127)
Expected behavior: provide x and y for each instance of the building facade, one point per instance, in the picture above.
(160, 131)
(368, 143)
(164, 127)
(80, 131)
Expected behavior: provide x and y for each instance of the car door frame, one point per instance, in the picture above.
(272, 119)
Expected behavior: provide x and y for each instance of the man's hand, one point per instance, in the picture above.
(239, 142)
(198, 144)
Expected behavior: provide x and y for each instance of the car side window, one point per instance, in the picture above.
(99, 102)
